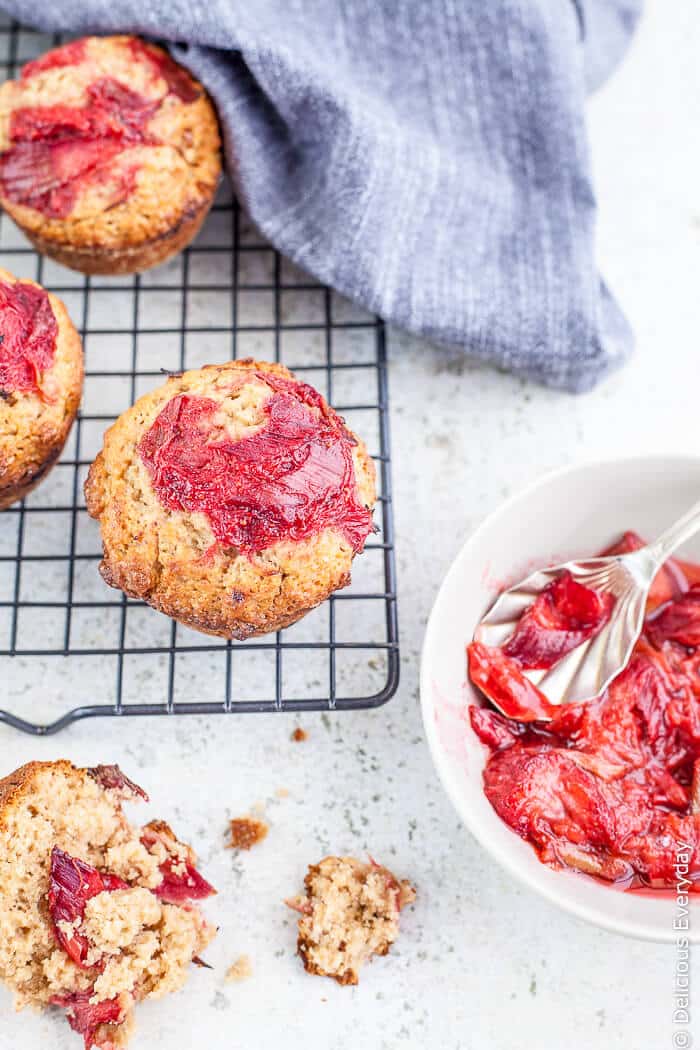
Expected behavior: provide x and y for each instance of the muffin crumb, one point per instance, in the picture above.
(246, 832)
(349, 912)
(240, 970)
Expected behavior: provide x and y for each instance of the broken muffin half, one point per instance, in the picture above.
(95, 913)
(349, 912)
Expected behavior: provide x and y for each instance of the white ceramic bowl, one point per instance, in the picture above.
(571, 513)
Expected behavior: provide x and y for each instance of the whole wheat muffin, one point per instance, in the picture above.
(96, 914)
(109, 154)
(41, 378)
(349, 913)
(233, 498)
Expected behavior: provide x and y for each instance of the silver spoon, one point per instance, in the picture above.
(586, 671)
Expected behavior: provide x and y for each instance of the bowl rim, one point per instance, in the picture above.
(502, 855)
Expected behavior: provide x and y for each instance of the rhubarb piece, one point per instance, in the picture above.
(72, 883)
(246, 832)
(350, 912)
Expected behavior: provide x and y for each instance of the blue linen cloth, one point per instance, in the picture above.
(427, 159)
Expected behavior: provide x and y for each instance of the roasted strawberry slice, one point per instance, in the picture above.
(181, 880)
(671, 580)
(655, 853)
(563, 616)
(72, 883)
(695, 789)
(86, 1018)
(502, 681)
(492, 728)
(545, 796)
(678, 621)
(111, 778)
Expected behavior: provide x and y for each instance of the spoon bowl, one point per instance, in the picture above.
(588, 669)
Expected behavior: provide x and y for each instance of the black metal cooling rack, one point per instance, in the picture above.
(64, 635)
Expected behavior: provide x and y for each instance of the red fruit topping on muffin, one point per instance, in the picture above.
(87, 1018)
(111, 778)
(289, 480)
(28, 336)
(72, 883)
(181, 880)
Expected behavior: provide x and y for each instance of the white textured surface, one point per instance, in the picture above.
(481, 964)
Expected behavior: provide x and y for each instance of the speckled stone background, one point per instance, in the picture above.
(481, 964)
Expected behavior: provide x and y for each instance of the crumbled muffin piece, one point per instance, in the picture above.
(240, 970)
(247, 832)
(349, 913)
(95, 913)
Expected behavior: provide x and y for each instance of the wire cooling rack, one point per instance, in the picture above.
(71, 647)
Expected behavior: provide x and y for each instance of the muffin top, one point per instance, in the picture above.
(232, 498)
(108, 138)
(98, 913)
(41, 372)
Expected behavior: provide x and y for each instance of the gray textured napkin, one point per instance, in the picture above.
(427, 158)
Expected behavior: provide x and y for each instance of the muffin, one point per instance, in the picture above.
(233, 498)
(349, 912)
(41, 377)
(96, 914)
(109, 154)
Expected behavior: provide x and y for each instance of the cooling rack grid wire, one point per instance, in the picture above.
(71, 647)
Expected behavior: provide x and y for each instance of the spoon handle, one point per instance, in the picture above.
(678, 533)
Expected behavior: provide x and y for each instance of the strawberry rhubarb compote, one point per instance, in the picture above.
(610, 787)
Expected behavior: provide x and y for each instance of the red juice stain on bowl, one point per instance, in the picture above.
(610, 787)
(28, 333)
(289, 480)
(56, 150)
